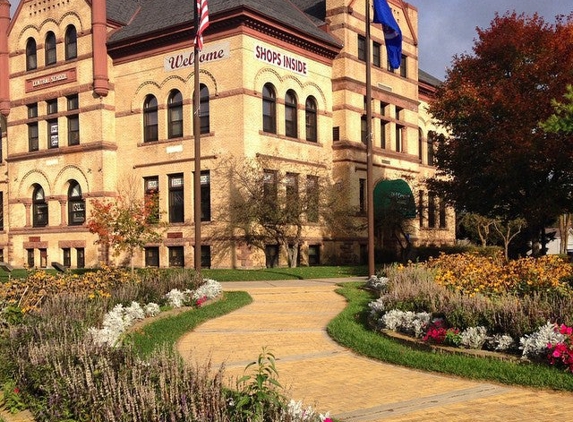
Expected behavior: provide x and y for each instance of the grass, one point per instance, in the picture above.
(298, 273)
(166, 331)
(350, 329)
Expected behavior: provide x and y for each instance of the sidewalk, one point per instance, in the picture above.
(289, 318)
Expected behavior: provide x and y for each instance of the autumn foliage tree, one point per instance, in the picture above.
(497, 161)
(126, 224)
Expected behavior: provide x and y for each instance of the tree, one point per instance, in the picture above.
(126, 223)
(496, 161)
(278, 207)
(507, 231)
(477, 224)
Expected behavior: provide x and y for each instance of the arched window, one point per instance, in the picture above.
(39, 207)
(310, 119)
(31, 54)
(50, 48)
(204, 109)
(269, 109)
(76, 205)
(431, 137)
(175, 114)
(71, 42)
(150, 132)
(291, 108)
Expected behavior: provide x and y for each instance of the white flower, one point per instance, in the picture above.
(536, 343)
(473, 337)
(176, 298)
(135, 311)
(151, 309)
(209, 289)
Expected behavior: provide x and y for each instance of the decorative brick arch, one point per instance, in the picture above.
(25, 188)
(70, 173)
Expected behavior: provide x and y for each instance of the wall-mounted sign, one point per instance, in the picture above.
(210, 53)
(285, 61)
(53, 79)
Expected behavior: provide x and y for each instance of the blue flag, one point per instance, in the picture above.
(392, 33)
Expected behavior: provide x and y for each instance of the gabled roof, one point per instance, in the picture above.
(154, 16)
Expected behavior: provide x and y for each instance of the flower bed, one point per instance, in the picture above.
(528, 313)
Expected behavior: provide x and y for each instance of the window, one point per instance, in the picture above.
(43, 258)
(151, 193)
(33, 137)
(31, 54)
(291, 182)
(363, 129)
(176, 256)
(175, 115)
(205, 256)
(73, 102)
(362, 198)
(150, 132)
(270, 186)
(269, 109)
(313, 254)
(53, 141)
(205, 196)
(403, 67)
(421, 207)
(311, 120)
(361, 48)
(291, 108)
(398, 112)
(272, 256)
(432, 210)
(80, 258)
(32, 110)
(376, 57)
(399, 135)
(76, 205)
(152, 257)
(52, 106)
(73, 121)
(39, 208)
(176, 199)
(383, 106)
(50, 48)
(67, 257)
(204, 109)
(71, 41)
(30, 258)
(292, 203)
(336, 133)
(312, 199)
(383, 128)
(430, 151)
(442, 213)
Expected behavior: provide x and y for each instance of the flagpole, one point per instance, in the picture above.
(369, 149)
(197, 137)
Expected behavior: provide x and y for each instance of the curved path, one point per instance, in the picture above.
(289, 318)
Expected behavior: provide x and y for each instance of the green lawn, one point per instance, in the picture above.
(298, 273)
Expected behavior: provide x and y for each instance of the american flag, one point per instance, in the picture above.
(203, 13)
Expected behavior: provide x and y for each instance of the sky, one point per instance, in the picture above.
(448, 27)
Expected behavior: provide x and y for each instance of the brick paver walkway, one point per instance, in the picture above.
(290, 319)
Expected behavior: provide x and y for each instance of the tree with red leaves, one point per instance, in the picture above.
(126, 224)
(497, 161)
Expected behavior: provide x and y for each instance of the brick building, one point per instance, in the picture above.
(95, 94)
